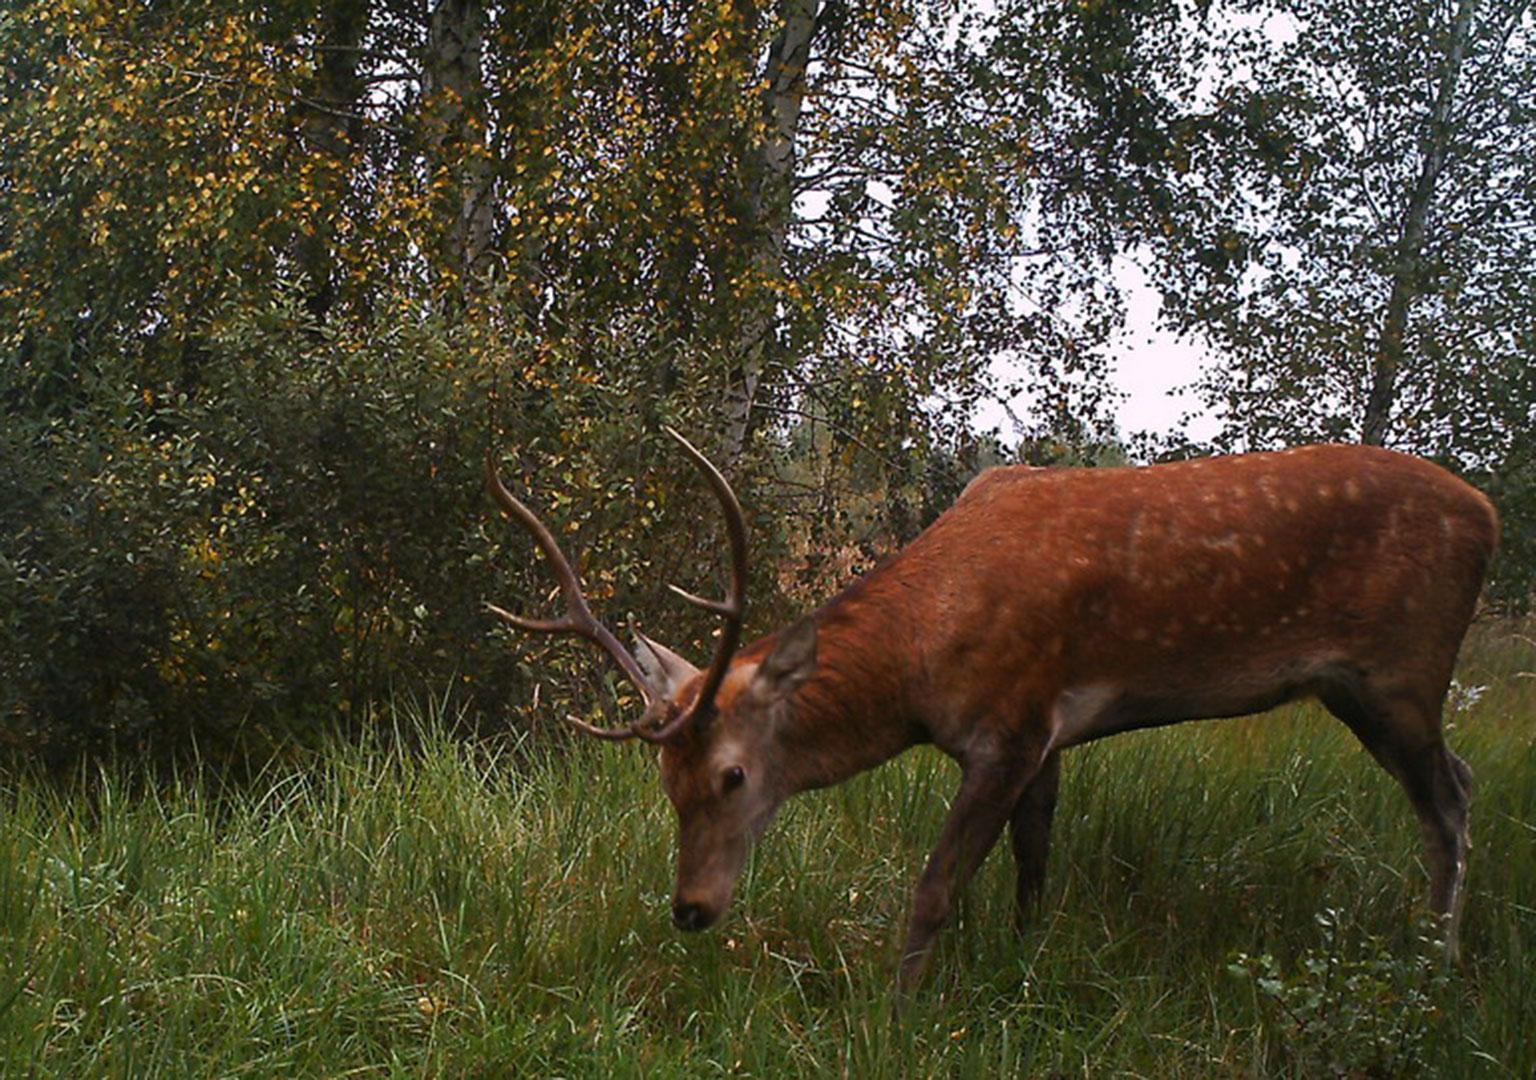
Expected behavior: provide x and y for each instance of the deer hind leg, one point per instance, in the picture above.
(1403, 735)
(1030, 833)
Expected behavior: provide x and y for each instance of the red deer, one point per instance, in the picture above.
(1048, 608)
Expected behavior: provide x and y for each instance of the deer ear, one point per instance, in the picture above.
(666, 671)
(790, 665)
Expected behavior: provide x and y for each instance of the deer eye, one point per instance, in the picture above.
(734, 778)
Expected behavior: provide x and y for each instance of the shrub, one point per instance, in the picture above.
(236, 559)
(1350, 1011)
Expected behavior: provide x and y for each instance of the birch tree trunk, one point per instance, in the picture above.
(453, 82)
(1407, 268)
(768, 205)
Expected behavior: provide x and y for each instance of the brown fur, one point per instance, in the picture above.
(1047, 608)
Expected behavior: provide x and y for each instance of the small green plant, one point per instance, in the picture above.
(1351, 1010)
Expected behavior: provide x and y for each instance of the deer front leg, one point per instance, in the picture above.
(988, 792)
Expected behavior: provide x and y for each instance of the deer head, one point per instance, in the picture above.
(721, 762)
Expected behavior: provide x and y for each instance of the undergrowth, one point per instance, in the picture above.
(456, 910)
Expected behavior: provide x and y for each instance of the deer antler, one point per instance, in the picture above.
(734, 607)
(662, 719)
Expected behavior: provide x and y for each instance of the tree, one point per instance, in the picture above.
(1368, 272)
(273, 276)
(1382, 283)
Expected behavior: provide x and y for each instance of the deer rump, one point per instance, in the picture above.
(1218, 587)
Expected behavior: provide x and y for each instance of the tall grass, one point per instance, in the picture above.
(460, 912)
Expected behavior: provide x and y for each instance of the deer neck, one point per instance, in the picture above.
(854, 712)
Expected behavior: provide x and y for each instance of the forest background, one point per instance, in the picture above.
(274, 277)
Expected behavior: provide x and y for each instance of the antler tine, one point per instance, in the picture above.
(714, 607)
(602, 733)
(733, 608)
(537, 626)
(578, 618)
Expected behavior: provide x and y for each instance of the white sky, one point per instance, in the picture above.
(1152, 364)
(1151, 368)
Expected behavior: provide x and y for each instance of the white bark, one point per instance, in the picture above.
(769, 206)
(1405, 272)
(453, 80)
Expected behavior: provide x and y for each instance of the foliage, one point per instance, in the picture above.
(209, 565)
(1289, 173)
(272, 277)
(158, 167)
(1333, 199)
(241, 566)
(1298, 273)
(1362, 1011)
(246, 390)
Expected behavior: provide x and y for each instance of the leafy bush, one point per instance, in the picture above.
(304, 530)
(1362, 1011)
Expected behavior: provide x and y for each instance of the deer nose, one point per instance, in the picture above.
(688, 916)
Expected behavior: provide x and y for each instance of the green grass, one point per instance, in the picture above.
(459, 914)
